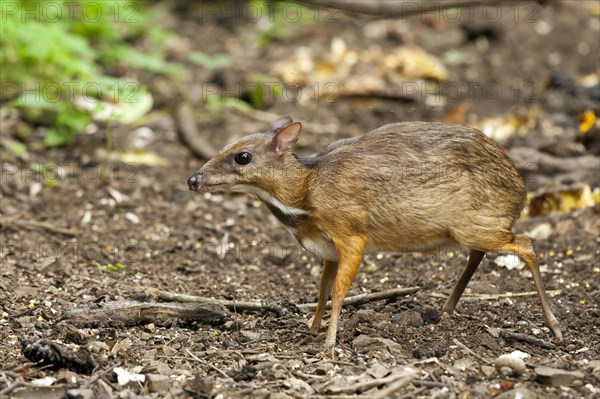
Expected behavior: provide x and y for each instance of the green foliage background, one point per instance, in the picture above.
(51, 52)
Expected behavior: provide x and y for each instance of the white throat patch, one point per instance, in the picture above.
(268, 198)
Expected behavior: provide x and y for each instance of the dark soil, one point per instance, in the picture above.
(146, 219)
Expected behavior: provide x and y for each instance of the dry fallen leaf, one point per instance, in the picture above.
(122, 346)
(588, 120)
(562, 199)
(352, 72)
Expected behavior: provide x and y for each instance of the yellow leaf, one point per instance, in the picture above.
(588, 118)
(142, 157)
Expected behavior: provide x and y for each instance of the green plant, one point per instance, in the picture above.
(263, 90)
(281, 16)
(53, 54)
(210, 61)
(109, 267)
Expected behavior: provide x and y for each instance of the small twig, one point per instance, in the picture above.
(309, 376)
(131, 313)
(393, 387)
(104, 377)
(527, 339)
(99, 374)
(485, 297)
(427, 384)
(32, 225)
(361, 387)
(23, 366)
(258, 306)
(23, 313)
(215, 368)
(361, 299)
(196, 142)
(11, 387)
(10, 374)
(477, 356)
(391, 8)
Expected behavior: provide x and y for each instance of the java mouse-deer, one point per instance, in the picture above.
(403, 187)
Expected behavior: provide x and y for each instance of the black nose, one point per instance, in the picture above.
(194, 181)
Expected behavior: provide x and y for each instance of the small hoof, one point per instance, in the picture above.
(447, 309)
(558, 337)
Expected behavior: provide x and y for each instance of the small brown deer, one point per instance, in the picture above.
(403, 187)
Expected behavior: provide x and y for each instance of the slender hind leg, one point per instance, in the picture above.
(327, 279)
(522, 247)
(475, 258)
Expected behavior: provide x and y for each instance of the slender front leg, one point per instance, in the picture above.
(327, 279)
(350, 252)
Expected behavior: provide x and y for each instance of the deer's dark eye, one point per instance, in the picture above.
(243, 158)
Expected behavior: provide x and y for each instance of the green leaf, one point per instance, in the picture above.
(56, 138)
(74, 119)
(149, 62)
(16, 147)
(34, 101)
(210, 62)
(109, 267)
(134, 105)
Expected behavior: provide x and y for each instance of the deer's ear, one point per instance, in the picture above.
(280, 123)
(286, 137)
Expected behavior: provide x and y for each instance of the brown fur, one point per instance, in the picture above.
(403, 187)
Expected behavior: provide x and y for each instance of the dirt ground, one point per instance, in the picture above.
(58, 238)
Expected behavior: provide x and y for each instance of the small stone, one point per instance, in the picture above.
(299, 386)
(246, 373)
(157, 367)
(202, 385)
(541, 232)
(511, 262)
(430, 315)
(510, 365)
(103, 390)
(323, 368)
(410, 318)
(249, 335)
(97, 347)
(371, 316)
(158, 383)
(364, 342)
(463, 363)
(557, 377)
(517, 393)
(229, 325)
(378, 371)
(488, 371)
(81, 393)
(595, 367)
(427, 350)
(67, 376)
